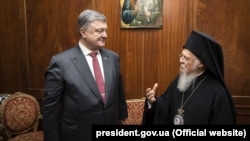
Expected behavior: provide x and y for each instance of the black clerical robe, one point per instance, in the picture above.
(210, 103)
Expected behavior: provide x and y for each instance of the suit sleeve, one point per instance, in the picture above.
(51, 101)
(123, 110)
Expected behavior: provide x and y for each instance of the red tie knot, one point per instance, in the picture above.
(93, 54)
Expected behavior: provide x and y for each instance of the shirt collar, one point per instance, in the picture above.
(85, 50)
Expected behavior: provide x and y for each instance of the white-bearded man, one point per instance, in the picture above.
(199, 94)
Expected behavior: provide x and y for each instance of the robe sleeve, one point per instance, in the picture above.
(158, 112)
(148, 114)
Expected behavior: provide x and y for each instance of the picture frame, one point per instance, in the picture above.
(141, 13)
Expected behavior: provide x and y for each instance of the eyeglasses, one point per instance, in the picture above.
(186, 59)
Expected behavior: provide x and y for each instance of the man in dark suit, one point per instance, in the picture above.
(72, 101)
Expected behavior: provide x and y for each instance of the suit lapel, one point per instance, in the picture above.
(82, 66)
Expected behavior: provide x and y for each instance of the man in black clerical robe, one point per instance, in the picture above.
(198, 95)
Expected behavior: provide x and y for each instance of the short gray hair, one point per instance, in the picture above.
(88, 16)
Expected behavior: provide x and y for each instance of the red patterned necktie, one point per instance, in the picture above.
(98, 75)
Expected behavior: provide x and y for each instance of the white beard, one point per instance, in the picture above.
(185, 81)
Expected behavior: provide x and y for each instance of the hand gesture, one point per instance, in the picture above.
(150, 93)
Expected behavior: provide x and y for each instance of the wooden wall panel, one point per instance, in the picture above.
(13, 72)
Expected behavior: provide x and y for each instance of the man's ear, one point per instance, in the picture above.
(201, 65)
(82, 32)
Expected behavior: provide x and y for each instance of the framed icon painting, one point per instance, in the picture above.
(141, 13)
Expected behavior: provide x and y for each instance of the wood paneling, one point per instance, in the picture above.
(13, 71)
(32, 31)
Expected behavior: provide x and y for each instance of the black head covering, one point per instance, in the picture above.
(209, 52)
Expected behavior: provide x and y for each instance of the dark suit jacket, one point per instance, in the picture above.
(72, 102)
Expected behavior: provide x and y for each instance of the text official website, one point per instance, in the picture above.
(162, 132)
